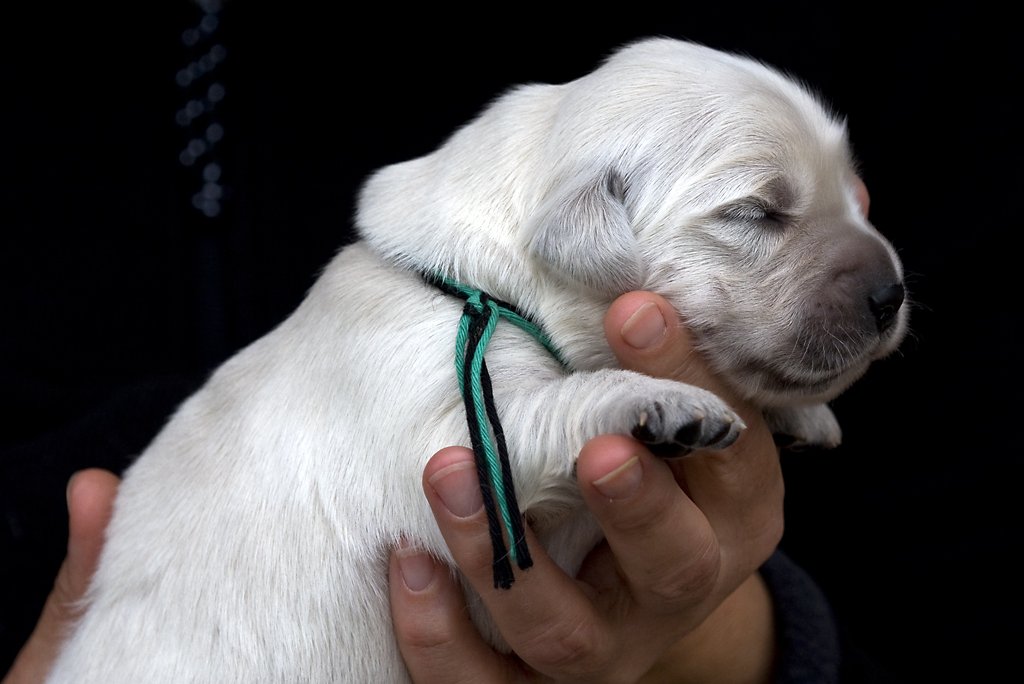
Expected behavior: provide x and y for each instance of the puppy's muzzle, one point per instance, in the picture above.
(865, 290)
(885, 304)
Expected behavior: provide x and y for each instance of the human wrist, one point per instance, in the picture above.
(734, 645)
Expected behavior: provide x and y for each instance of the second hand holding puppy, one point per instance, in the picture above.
(672, 593)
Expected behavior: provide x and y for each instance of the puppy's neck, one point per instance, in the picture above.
(570, 317)
(463, 212)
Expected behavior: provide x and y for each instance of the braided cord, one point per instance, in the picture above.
(479, 320)
(483, 417)
(508, 311)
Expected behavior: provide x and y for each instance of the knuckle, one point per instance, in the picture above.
(690, 581)
(577, 649)
(470, 546)
(65, 603)
(425, 638)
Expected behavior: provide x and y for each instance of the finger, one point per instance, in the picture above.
(437, 640)
(90, 504)
(545, 617)
(90, 495)
(739, 489)
(664, 546)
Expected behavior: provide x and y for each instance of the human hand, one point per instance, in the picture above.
(672, 595)
(90, 500)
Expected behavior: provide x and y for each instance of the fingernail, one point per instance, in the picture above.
(458, 488)
(417, 568)
(645, 328)
(622, 482)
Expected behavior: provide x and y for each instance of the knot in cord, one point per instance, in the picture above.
(480, 317)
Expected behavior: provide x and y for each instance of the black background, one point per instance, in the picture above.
(118, 296)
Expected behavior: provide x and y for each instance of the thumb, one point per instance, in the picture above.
(647, 336)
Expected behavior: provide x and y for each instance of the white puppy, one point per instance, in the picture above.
(249, 541)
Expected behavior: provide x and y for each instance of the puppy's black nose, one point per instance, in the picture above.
(885, 304)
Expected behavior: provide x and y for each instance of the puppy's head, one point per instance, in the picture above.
(706, 177)
(729, 189)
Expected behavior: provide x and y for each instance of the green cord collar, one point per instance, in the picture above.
(480, 317)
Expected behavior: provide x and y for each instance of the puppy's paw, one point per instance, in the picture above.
(801, 427)
(674, 423)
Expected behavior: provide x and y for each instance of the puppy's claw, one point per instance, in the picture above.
(728, 435)
(643, 433)
(722, 433)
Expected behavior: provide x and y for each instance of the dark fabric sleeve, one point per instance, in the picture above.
(808, 648)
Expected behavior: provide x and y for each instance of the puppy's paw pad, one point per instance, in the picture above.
(667, 450)
(690, 433)
(675, 428)
(717, 430)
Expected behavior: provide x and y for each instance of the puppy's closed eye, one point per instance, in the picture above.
(770, 206)
(756, 210)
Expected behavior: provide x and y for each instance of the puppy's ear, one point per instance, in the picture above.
(584, 233)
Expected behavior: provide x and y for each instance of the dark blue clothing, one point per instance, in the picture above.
(808, 641)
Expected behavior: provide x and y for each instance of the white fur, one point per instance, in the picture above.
(249, 541)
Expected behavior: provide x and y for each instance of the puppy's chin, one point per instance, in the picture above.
(780, 381)
(892, 339)
(767, 386)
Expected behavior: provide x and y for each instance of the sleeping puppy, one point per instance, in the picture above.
(249, 542)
